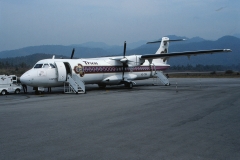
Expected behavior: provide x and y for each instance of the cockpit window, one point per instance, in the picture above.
(38, 66)
(46, 65)
(52, 66)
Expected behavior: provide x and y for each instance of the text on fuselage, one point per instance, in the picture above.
(90, 63)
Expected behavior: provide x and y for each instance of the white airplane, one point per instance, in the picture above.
(73, 74)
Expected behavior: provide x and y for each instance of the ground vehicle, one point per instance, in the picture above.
(9, 84)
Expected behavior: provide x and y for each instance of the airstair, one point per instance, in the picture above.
(74, 85)
(160, 76)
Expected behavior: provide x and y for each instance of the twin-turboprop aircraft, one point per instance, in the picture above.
(74, 74)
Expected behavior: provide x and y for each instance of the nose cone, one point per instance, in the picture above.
(25, 78)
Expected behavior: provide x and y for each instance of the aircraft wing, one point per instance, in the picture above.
(187, 53)
(116, 58)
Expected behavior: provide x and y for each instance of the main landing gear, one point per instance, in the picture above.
(129, 85)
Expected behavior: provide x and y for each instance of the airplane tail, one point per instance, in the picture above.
(163, 49)
(163, 46)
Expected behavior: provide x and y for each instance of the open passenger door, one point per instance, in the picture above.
(61, 71)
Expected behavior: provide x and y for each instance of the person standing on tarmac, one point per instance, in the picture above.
(24, 86)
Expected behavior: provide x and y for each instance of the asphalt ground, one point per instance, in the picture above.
(191, 119)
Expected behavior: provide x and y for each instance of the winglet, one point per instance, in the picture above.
(227, 50)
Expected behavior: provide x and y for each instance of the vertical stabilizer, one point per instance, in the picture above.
(163, 49)
(163, 46)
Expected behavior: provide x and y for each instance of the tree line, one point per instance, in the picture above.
(13, 65)
(25, 61)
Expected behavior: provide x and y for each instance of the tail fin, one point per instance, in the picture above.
(164, 44)
(163, 49)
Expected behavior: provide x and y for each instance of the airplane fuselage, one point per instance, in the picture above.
(104, 70)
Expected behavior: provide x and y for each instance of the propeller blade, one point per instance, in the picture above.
(124, 49)
(124, 53)
(123, 72)
(72, 53)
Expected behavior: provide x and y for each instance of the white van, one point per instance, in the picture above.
(8, 84)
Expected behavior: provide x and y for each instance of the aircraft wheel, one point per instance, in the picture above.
(130, 85)
(17, 91)
(102, 86)
(38, 92)
(4, 92)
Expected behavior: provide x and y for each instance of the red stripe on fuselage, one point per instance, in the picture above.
(111, 69)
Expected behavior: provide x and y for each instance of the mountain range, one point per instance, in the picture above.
(100, 49)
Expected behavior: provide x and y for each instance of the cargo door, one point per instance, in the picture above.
(61, 71)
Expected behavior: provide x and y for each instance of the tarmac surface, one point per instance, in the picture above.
(191, 119)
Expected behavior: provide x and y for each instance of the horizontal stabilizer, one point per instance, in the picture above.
(169, 40)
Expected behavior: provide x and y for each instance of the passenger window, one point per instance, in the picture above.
(46, 65)
(52, 66)
(38, 66)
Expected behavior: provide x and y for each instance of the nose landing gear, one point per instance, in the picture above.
(38, 90)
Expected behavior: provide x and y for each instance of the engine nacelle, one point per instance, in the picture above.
(134, 60)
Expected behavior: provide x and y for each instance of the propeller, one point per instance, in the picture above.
(72, 53)
(124, 60)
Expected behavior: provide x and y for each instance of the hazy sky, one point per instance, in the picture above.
(37, 22)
